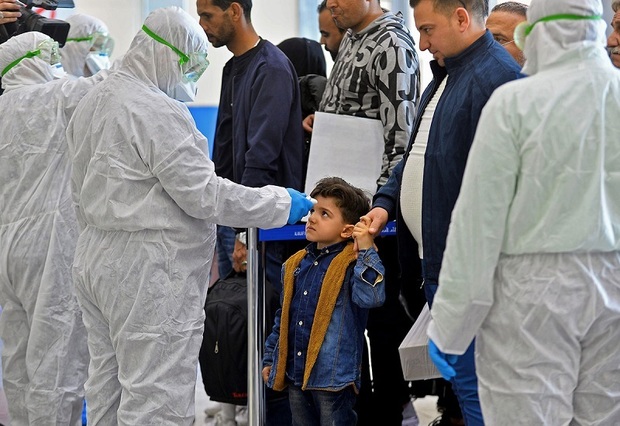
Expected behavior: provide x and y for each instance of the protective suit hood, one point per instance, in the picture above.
(74, 53)
(28, 71)
(550, 43)
(153, 62)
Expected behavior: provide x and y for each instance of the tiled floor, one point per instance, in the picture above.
(426, 408)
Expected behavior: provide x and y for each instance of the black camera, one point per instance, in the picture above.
(32, 21)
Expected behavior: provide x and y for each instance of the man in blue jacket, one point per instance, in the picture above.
(454, 32)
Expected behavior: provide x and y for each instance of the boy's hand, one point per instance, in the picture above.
(363, 238)
(266, 372)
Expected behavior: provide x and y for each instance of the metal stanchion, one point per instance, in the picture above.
(256, 335)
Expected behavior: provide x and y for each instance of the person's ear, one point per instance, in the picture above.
(463, 20)
(236, 11)
(347, 231)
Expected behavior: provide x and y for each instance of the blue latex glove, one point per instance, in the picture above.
(300, 205)
(442, 361)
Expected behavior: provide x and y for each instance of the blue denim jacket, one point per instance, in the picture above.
(338, 364)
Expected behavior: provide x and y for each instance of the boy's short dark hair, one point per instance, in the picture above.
(352, 202)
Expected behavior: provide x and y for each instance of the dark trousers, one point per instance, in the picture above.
(317, 407)
(381, 401)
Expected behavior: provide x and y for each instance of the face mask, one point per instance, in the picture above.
(525, 28)
(58, 71)
(97, 61)
(184, 92)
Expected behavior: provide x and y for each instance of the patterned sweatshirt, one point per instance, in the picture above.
(377, 75)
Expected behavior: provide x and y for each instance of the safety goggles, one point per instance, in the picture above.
(99, 42)
(193, 65)
(525, 28)
(47, 50)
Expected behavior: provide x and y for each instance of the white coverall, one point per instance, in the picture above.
(74, 52)
(532, 267)
(45, 356)
(149, 198)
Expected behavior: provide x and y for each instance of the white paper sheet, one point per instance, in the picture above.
(348, 147)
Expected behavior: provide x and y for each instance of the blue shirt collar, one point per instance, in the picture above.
(312, 248)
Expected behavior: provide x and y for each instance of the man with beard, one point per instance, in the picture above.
(331, 35)
(258, 137)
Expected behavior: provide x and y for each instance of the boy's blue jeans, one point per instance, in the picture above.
(316, 407)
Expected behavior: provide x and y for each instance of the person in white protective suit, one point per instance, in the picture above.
(45, 357)
(532, 263)
(149, 198)
(88, 47)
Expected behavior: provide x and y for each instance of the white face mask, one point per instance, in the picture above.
(184, 92)
(97, 61)
(58, 71)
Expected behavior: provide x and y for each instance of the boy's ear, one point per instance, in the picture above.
(347, 231)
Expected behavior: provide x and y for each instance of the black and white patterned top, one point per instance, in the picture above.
(377, 75)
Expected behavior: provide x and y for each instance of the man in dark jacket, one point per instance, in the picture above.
(258, 138)
(258, 135)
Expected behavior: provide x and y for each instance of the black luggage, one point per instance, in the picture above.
(223, 355)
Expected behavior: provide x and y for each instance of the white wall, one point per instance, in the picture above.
(274, 20)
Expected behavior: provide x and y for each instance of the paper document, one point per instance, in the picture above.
(414, 357)
(348, 147)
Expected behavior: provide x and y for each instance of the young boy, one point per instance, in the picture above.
(327, 291)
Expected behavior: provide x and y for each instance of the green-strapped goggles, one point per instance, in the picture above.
(193, 65)
(525, 28)
(47, 50)
(99, 42)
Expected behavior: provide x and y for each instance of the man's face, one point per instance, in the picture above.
(438, 33)
(613, 42)
(502, 26)
(330, 33)
(351, 14)
(216, 23)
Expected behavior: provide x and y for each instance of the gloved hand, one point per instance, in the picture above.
(300, 205)
(443, 362)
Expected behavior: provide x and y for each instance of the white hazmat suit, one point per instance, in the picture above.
(532, 265)
(83, 28)
(45, 356)
(149, 197)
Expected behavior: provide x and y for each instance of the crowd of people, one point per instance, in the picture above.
(500, 174)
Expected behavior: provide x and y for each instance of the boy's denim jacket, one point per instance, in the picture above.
(334, 356)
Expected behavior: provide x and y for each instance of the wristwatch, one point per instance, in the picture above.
(242, 237)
